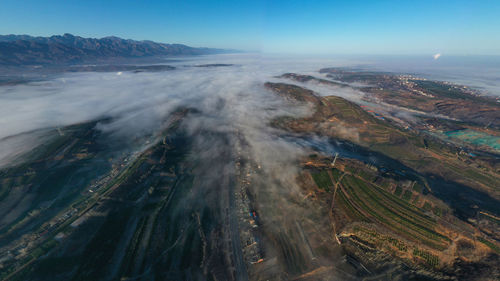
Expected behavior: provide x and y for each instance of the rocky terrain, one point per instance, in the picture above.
(277, 180)
(404, 193)
(67, 48)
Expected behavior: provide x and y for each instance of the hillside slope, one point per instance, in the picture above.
(23, 49)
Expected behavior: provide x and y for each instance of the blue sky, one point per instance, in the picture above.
(306, 27)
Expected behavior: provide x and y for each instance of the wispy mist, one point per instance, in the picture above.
(138, 102)
(228, 96)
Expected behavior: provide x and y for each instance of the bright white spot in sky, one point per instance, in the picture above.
(436, 56)
(119, 73)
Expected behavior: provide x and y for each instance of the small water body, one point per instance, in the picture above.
(476, 138)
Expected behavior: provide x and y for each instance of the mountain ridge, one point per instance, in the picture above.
(67, 48)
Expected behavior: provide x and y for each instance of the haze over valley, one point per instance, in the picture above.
(275, 153)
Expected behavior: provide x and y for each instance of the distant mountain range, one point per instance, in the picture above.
(29, 50)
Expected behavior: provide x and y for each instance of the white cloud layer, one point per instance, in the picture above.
(138, 102)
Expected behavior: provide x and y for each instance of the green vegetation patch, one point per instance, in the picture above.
(44, 248)
(489, 217)
(429, 258)
(322, 180)
(407, 195)
(415, 200)
(345, 204)
(427, 206)
(437, 211)
(336, 174)
(489, 244)
(418, 187)
(393, 212)
(398, 191)
(366, 175)
(373, 234)
(398, 244)
(441, 90)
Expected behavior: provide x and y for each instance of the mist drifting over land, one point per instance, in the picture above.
(237, 154)
(137, 103)
(231, 111)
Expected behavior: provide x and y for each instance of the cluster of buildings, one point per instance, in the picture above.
(248, 217)
(407, 82)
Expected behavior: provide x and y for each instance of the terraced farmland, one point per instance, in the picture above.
(391, 214)
(394, 213)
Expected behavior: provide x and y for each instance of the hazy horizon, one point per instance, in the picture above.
(283, 140)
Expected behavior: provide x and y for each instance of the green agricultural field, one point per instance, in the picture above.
(429, 258)
(493, 246)
(441, 90)
(322, 180)
(336, 174)
(393, 212)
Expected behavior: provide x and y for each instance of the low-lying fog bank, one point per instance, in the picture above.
(137, 103)
(228, 91)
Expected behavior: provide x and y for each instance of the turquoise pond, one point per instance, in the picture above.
(476, 138)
